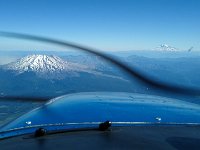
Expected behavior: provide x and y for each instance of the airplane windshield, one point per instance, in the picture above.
(70, 64)
(50, 71)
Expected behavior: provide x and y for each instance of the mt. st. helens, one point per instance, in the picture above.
(43, 64)
(51, 67)
(52, 76)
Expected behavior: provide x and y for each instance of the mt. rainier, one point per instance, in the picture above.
(165, 47)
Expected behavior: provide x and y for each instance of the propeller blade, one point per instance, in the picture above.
(25, 98)
(134, 73)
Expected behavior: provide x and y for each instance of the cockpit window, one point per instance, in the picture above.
(146, 51)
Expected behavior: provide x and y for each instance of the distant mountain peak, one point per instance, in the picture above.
(165, 47)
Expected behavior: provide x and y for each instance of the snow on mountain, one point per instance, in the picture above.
(51, 67)
(43, 63)
(165, 47)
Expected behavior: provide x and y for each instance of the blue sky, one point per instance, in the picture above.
(107, 24)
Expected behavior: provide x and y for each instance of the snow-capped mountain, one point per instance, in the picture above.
(50, 75)
(46, 66)
(165, 47)
(42, 64)
(51, 67)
